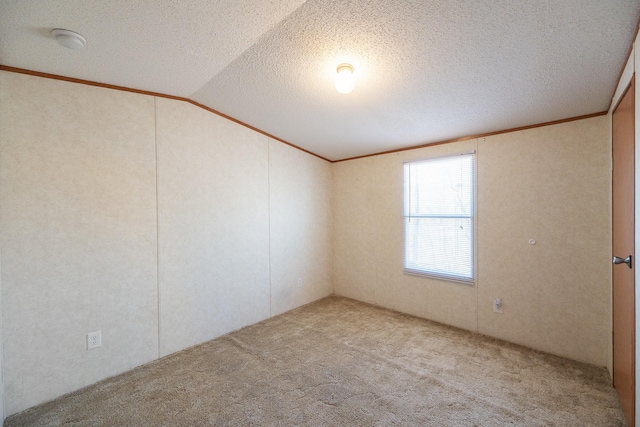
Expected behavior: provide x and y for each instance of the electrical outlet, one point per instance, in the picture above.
(94, 340)
(497, 305)
(299, 282)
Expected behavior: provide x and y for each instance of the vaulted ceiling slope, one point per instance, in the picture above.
(426, 70)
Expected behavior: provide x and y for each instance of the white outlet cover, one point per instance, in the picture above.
(94, 340)
(498, 309)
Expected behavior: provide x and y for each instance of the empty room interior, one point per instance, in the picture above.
(319, 213)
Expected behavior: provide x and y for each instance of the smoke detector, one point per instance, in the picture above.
(69, 39)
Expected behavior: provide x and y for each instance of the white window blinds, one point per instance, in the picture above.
(439, 217)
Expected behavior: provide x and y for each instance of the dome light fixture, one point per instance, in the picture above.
(69, 39)
(344, 79)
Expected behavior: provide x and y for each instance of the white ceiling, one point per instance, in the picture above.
(426, 70)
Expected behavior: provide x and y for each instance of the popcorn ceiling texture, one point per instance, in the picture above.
(339, 362)
(171, 47)
(425, 71)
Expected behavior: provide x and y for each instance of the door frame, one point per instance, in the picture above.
(636, 273)
(637, 233)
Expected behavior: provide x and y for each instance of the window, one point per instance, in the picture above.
(439, 217)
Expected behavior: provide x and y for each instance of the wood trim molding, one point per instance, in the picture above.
(624, 92)
(624, 65)
(211, 110)
(87, 82)
(483, 135)
(160, 95)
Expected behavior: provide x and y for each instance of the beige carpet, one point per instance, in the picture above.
(338, 362)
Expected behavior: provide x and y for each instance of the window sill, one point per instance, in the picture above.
(461, 280)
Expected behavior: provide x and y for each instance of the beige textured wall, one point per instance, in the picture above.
(2, 409)
(551, 184)
(301, 227)
(213, 217)
(78, 235)
(368, 241)
(152, 220)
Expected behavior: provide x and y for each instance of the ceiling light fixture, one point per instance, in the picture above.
(344, 79)
(69, 39)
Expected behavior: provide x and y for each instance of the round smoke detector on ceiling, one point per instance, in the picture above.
(69, 39)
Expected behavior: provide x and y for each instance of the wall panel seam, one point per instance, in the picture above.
(269, 218)
(155, 142)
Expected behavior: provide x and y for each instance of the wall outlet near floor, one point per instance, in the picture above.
(299, 282)
(94, 340)
(497, 305)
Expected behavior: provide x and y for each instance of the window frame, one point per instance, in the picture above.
(424, 273)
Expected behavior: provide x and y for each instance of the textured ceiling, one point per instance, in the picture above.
(426, 70)
(171, 47)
